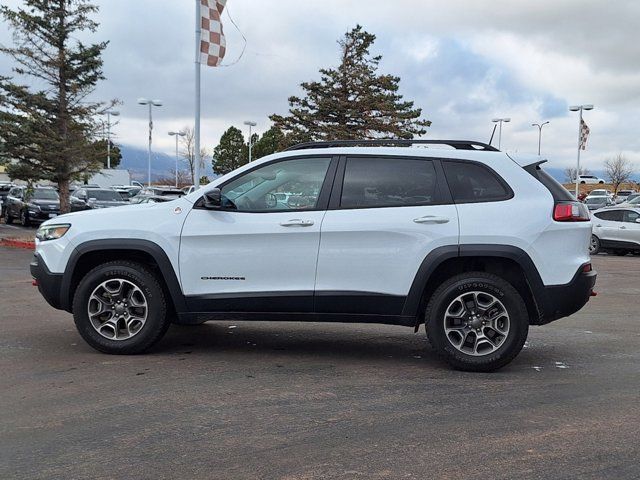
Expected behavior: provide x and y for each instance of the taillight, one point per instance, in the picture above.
(570, 212)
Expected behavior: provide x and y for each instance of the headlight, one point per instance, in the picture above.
(34, 207)
(52, 232)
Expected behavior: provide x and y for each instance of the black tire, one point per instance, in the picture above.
(24, 218)
(157, 321)
(8, 219)
(594, 247)
(482, 282)
(601, 182)
(583, 182)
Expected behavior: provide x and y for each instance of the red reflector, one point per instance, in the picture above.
(587, 268)
(34, 282)
(593, 294)
(570, 212)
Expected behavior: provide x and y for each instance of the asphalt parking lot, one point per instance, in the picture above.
(304, 401)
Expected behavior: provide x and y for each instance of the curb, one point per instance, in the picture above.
(18, 243)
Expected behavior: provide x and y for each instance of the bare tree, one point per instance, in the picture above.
(184, 179)
(618, 170)
(570, 173)
(188, 143)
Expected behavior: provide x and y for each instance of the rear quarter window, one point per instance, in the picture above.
(472, 182)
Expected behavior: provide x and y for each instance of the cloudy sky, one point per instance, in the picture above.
(464, 62)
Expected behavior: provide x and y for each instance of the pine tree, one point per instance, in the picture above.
(50, 133)
(352, 102)
(271, 141)
(231, 152)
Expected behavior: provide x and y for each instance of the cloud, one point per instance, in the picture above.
(462, 61)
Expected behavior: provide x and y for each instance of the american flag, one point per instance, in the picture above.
(213, 45)
(584, 134)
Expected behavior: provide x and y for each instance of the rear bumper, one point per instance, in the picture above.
(559, 301)
(49, 284)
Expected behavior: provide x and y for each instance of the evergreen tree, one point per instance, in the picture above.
(272, 141)
(49, 133)
(116, 155)
(231, 152)
(352, 102)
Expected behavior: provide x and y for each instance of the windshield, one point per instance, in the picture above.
(105, 195)
(635, 200)
(44, 194)
(595, 200)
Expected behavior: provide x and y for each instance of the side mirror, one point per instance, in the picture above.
(213, 199)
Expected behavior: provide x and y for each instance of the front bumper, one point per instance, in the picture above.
(42, 216)
(559, 301)
(49, 284)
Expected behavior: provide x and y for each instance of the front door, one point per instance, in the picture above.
(259, 252)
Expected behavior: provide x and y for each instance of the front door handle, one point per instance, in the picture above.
(623, 228)
(431, 219)
(297, 223)
(598, 225)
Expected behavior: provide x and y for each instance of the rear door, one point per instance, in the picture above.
(386, 215)
(606, 225)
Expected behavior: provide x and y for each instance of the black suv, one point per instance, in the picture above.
(31, 205)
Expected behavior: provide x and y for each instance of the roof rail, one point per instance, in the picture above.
(457, 144)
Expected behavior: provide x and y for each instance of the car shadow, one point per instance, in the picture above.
(299, 339)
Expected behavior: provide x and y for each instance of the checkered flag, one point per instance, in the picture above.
(584, 134)
(212, 42)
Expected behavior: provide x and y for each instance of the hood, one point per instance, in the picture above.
(45, 203)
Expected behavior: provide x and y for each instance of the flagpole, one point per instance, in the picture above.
(579, 108)
(578, 164)
(197, 98)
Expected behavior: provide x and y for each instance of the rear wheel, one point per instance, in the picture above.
(119, 307)
(8, 219)
(477, 322)
(594, 245)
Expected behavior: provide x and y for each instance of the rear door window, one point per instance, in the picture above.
(472, 182)
(610, 215)
(631, 216)
(371, 182)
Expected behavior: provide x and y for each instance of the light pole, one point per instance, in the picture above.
(109, 114)
(500, 121)
(539, 125)
(151, 104)
(177, 134)
(250, 124)
(579, 108)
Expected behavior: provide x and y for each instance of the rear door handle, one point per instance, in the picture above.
(431, 219)
(297, 223)
(623, 228)
(599, 225)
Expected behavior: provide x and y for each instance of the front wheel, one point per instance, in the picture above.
(24, 218)
(120, 308)
(594, 245)
(477, 322)
(8, 219)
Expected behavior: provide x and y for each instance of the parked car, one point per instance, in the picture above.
(152, 199)
(623, 195)
(598, 202)
(589, 179)
(189, 189)
(31, 205)
(99, 197)
(600, 192)
(616, 230)
(402, 236)
(4, 191)
(162, 191)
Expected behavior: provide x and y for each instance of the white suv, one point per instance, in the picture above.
(589, 179)
(466, 240)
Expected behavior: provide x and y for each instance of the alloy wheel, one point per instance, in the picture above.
(117, 309)
(476, 323)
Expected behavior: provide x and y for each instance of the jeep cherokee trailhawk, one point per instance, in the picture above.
(473, 243)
